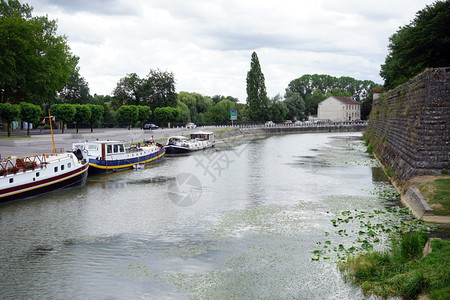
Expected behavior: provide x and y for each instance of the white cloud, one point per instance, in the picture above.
(207, 44)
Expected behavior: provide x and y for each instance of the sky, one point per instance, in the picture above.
(207, 44)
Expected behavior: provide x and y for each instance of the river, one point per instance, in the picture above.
(239, 221)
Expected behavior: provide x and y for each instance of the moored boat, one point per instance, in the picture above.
(197, 141)
(33, 175)
(114, 156)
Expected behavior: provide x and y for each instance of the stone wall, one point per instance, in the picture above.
(409, 127)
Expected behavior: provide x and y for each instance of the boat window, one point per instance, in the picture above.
(37, 174)
(56, 169)
(69, 165)
(62, 167)
(116, 148)
(11, 180)
(92, 147)
(109, 148)
(121, 148)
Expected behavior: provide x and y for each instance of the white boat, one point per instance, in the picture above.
(197, 141)
(33, 175)
(114, 156)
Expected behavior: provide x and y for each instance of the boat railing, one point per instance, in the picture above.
(15, 165)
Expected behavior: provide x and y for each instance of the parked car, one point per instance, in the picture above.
(298, 123)
(190, 126)
(150, 126)
(287, 122)
(269, 123)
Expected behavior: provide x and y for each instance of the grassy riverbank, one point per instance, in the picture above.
(403, 271)
(437, 193)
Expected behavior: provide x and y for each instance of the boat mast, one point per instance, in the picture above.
(51, 131)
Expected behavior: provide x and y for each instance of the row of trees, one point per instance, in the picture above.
(33, 114)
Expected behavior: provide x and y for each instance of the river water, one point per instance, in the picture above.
(240, 221)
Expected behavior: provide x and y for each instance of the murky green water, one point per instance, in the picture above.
(238, 222)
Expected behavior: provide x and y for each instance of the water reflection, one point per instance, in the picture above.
(264, 204)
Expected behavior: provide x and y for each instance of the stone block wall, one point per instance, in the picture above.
(409, 127)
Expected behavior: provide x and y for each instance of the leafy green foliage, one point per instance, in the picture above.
(315, 88)
(144, 113)
(128, 114)
(167, 114)
(403, 271)
(96, 114)
(156, 90)
(422, 44)
(63, 113)
(28, 46)
(82, 114)
(76, 90)
(30, 113)
(128, 91)
(295, 105)
(220, 113)
(9, 113)
(278, 109)
(257, 100)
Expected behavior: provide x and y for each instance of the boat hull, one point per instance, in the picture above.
(35, 188)
(173, 149)
(102, 166)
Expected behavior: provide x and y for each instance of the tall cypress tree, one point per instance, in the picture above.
(257, 100)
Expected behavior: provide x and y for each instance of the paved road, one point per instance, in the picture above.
(41, 142)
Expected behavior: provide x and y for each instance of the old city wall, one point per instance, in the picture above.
(409, 127)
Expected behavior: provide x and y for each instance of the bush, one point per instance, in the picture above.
(409, 246)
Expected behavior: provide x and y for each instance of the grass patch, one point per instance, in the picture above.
(437, 193)
(225, 130)
(402, 271)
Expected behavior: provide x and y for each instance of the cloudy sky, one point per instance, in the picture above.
(207, 44)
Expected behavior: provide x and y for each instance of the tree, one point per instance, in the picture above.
(220, 113)
(312, 102)
(185, 114)
(63, 113)
(167, 114)
(278, 109)
(128, 114)
(30, 113)
(9, 113)
(295, 105)
(35, 63)
(307, 84)
(76, 90)
(144, 113)
(257, 100)
(82, 114)
(96, 114)
(128, 91)
(424, 43)
(159, 89)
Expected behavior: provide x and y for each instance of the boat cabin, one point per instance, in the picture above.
(101, 148)
(203, 136)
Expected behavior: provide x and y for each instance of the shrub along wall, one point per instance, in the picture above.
(409, 127)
